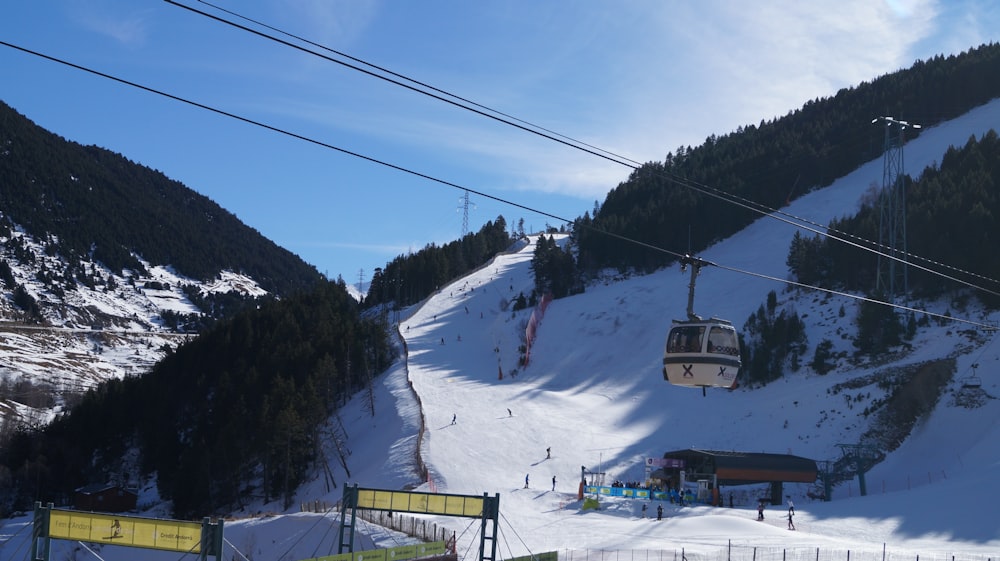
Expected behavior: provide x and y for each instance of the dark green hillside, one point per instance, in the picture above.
(952, 217)
(93, 203)
(775, 161)
(409, 279)
(232, 415)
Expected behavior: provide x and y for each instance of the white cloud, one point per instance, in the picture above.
(331, 22)
(131, 29)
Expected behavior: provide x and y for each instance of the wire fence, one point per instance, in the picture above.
(409, 525)
(755, 553)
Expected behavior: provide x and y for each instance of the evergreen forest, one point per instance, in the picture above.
(235, 414)
(673, 204)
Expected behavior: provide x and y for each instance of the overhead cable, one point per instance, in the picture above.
(451, 184)
(459, 101)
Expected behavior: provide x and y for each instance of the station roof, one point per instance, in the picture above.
(741, 468)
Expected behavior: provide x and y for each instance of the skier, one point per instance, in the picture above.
(659, 512)
(526, 480)
(454, 418)
(509, 414)
(643, 510)
(553, 483)
(548, 453)
(760, 510)
(791, 525)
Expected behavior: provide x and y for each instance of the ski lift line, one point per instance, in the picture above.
(415, 81)
(519, 538)
(804, 224)
(883, 254)
(302, 535)
(503, 537)
(907, 254)
(811, 226)
(25, 544)
(402, 84)
(329, 530)
(420, 174)
(984, 326)
(634, 164)
(235, 549)
(279, 130)
(549, 134)
(91, 551)
(468, 526)
(460, 536)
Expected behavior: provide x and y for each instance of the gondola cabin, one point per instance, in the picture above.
(702, 354)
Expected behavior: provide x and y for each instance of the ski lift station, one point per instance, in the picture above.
(712, 469)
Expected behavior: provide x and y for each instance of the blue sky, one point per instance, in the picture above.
(637, 78)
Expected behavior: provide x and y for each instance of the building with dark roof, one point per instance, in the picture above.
(105, 497)
(729, 468)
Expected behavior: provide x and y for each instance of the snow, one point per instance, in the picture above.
(91, 335)
(594, 394)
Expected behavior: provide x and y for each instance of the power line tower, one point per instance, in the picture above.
(465, 212)
(891, 273)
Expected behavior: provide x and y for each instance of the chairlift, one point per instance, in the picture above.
(701, 353)
(972, 381)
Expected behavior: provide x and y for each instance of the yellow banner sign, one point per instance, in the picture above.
(421, 503)
(548, 556)
(401, 553)
(170, 535)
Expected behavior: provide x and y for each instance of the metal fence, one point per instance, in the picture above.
(755, 553)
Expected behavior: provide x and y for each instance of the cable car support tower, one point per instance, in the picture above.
(891, 272)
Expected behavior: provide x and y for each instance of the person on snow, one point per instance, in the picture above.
(454, 418)
(526, 480)
(509, 414)
(760, 510)
(659, 512)
(553, 483)
(791, 525)
(548, 453)
(643, 510)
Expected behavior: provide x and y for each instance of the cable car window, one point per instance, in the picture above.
(686, 339)
(723, 341)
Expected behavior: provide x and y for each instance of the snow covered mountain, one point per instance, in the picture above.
(84, 335)
(594, 394)
(458, 407)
